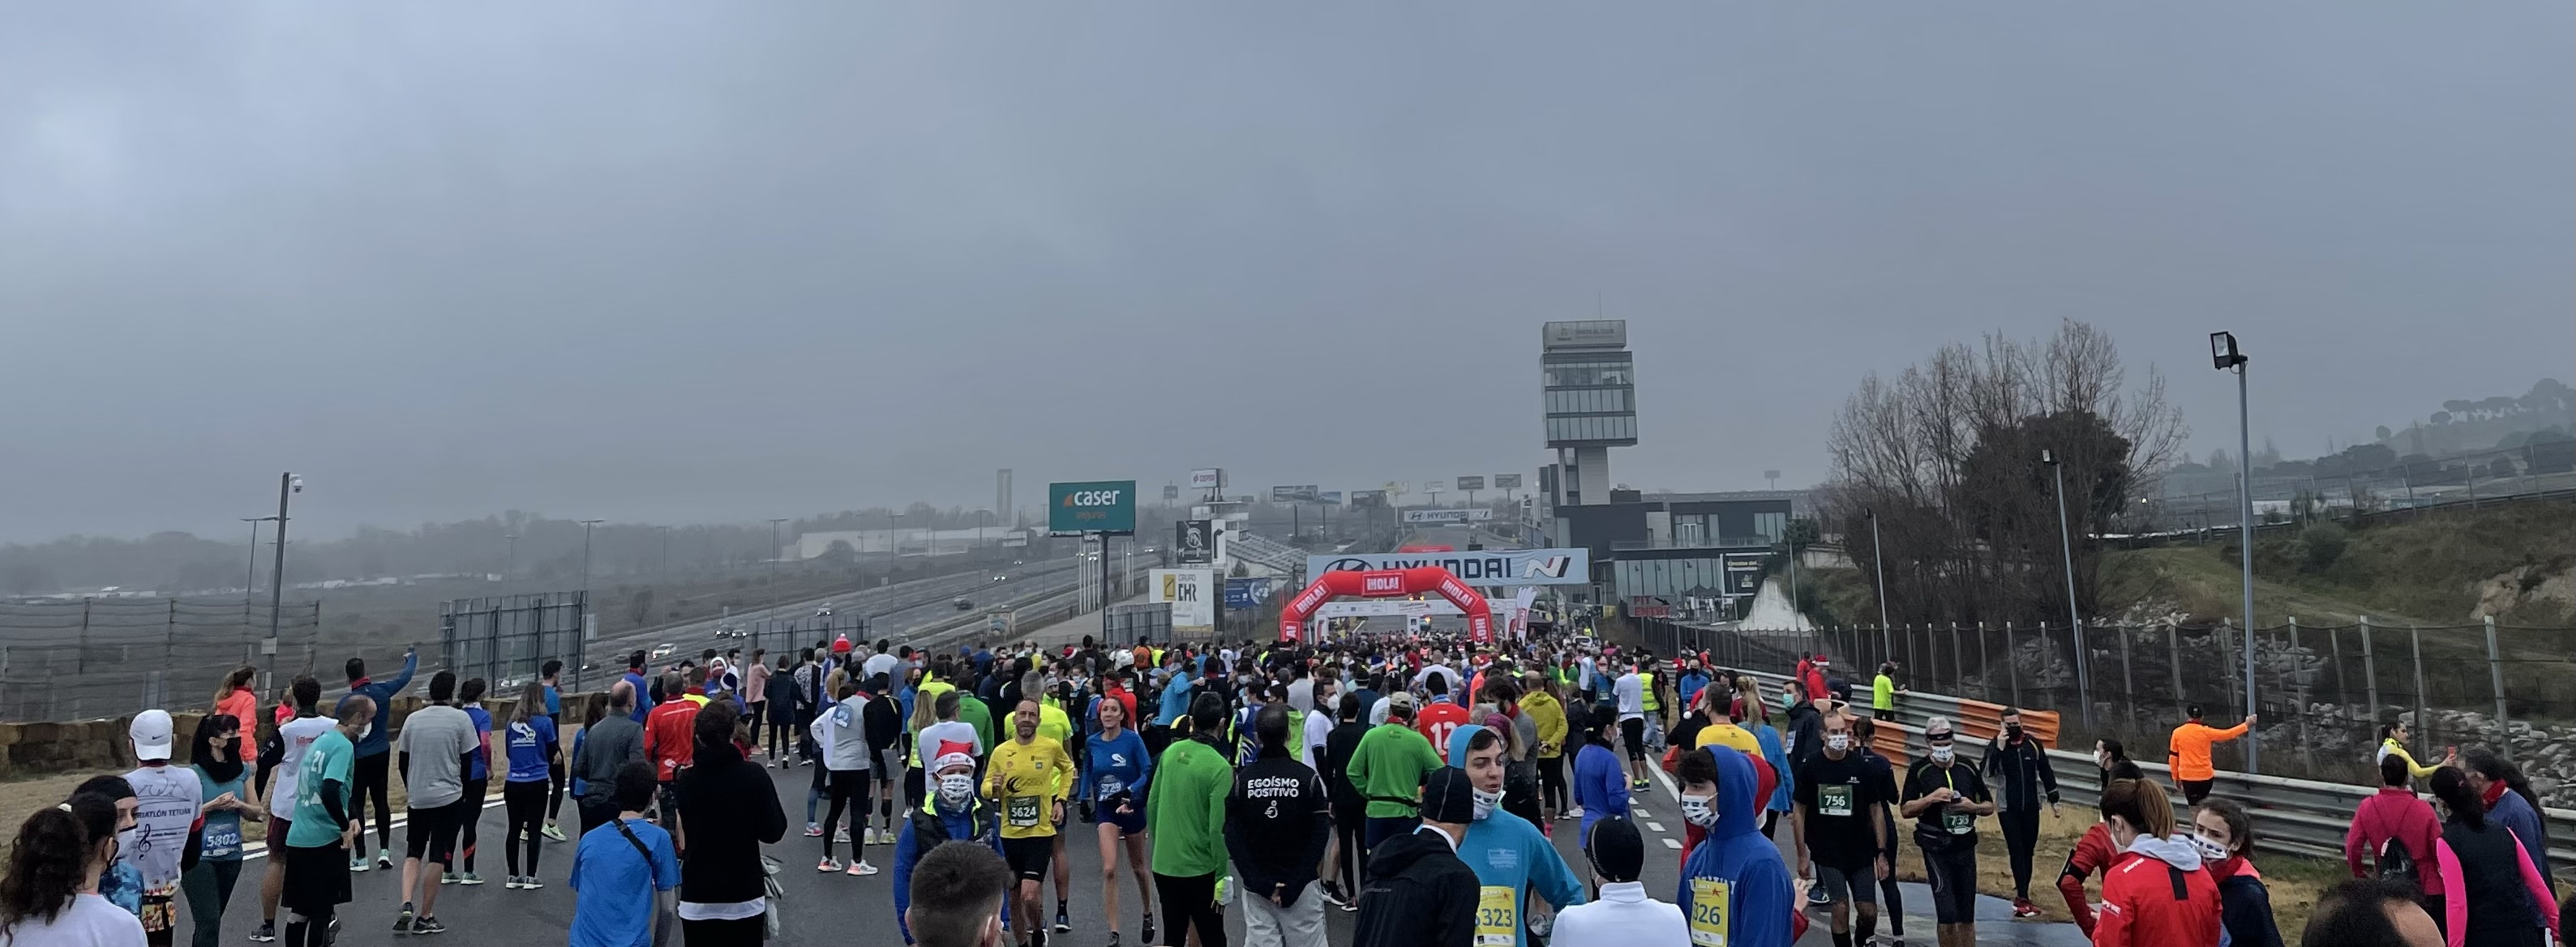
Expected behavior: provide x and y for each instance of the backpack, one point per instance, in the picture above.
(2395, 863)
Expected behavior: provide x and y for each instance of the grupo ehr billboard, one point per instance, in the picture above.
(1091, 506)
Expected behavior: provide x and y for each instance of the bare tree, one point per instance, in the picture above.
(1948, 458)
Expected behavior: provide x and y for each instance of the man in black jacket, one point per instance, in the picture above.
(1350, 809)
(1276, 823)
(883, 720)
(728, 810)
(2019, 769)
(1419, 893)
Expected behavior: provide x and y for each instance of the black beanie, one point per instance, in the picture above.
(1447, 796)
(1618, 852)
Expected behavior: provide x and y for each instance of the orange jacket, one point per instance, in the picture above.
(2189, 756)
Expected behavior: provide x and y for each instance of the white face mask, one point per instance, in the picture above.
(1485, 803)
(2210, 849)
(1700, 810)
(1838, 742)
(1943, 755)
(956, 788)
(125, 839)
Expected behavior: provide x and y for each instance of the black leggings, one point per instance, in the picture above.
(1190, 900)
(555, 773)
(846, 785)
(1348, 821)
(470, 815)
(1551, 781)
(782, 732)
(526, 805)
(370, 773)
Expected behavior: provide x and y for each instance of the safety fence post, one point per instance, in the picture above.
(2012, 663)
(2495, 678)
(2423, 722)
(2173, 654)
(2128, 682)
(2369, 672)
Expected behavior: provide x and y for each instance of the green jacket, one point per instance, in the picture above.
(1185, 808)
(975, 714)
(1388, 768)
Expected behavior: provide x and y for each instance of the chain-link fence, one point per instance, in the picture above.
(73, 659)
(2321, 692)
(506, 639)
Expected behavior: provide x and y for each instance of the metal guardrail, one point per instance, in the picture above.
(2291, 816)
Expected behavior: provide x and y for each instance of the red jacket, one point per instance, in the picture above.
(2395, 813)
(2092, 853)
(670, 736)
(2163, 899)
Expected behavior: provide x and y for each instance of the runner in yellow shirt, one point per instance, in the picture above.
(1031, 777)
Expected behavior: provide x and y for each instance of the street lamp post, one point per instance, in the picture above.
(251, 576)
(2074, 616)
(585, 557)
(775, 553)
(510, 566)
(1878, 562)
(288, 484)
(2224, 356)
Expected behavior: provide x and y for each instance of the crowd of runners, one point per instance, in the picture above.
(1413, 780)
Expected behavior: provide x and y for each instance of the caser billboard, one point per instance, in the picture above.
(1092, 506)
(1568, 566)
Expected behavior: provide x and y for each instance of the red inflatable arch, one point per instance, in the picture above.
(1386, 583)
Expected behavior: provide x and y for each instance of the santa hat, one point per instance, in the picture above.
(952, 753)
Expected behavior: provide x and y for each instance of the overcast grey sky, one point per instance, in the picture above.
(691, 261)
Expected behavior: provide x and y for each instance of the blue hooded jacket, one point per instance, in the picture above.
(1759, 899)
(926, 828)
(1506, 851)
(1769, 738)
(374, 742)
(1176, 701)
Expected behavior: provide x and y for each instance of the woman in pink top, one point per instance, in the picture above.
(234, 696)
(755, 691)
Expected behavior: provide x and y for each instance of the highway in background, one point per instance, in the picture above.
(921, 613)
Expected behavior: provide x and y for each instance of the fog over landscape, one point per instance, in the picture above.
(679, 263)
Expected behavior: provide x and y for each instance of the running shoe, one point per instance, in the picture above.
(384, 861)
(331, 934)
(861, 869)
(428, 925)
(510, 884)
(813, 831)
(1637, 784)
(1062, 923)
(402, 919)
(358, 863)
(1333, 894)
(530, 883)
(266, 933)
(1113, 939)
(841, 836)
(554, 833)
(447, 879)
(2023, 908)
(469, 879)
(1147, 936)
(1573, 813)
(828, 865)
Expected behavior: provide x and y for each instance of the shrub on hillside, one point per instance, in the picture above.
(2320, 545)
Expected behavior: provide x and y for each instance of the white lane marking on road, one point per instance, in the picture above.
(260, 849)
(1657, 826)
(1669, 843)
(1667, 781)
